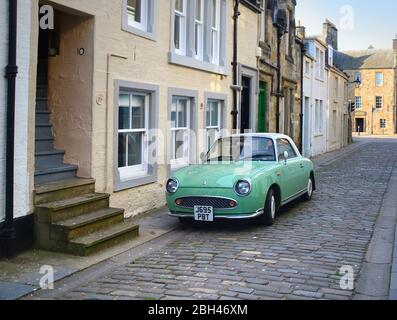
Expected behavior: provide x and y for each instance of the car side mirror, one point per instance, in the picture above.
(286, 156)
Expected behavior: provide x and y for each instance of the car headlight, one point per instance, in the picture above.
(172, 186)
(243, 188)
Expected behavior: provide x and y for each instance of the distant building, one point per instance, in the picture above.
(325, 111)
(375, 98)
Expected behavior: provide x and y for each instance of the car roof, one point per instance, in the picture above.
(262, 135)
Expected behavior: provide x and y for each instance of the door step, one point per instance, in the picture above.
(71, 218)
(103, 239)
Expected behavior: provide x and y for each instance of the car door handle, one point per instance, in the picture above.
(302, 166)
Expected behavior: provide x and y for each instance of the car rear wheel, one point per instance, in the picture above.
(270, 209)
(310, 188)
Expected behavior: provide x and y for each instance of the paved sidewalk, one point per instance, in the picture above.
(298, 258)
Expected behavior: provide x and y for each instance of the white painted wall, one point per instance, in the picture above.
(22, 187)
(316, 89)
(3, 99)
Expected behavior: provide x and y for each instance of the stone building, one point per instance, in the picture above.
(278, 23)
(113, 99)
(375, 98)
(325, 106)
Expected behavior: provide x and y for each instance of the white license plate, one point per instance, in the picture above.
(204, 213)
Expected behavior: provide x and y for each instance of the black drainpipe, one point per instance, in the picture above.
(8, 232)
(301, 115)
(235, 87)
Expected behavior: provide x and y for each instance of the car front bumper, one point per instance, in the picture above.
(220, 216)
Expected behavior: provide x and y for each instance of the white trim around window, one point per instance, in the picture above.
(136, 113)
(198, 41)
(140, 18)
(182, 117)
(216, 121)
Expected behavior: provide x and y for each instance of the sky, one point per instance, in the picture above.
(361, 23)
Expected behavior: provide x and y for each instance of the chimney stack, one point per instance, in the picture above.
(301, 32)
(330, 34)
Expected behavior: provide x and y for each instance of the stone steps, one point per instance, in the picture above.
(71, 218)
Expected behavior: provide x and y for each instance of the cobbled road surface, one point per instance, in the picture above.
(300, 257)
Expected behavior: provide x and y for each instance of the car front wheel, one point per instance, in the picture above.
(310, 188)
(270, 209)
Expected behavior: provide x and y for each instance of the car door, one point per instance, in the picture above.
(291, 170)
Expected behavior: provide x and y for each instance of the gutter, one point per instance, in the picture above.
(235, 87)
(7, 234)
(301, 115)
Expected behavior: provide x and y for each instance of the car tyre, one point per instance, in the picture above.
(270, 209)
(310, 189)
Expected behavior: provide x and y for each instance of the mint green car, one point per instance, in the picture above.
(242, 177)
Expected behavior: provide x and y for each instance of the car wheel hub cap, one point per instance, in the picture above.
(273, 208)
(310, 188)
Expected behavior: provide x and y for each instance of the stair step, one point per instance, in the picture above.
(102, 239)
(41, 104)
(44, 144)
(62, 172)
(86, 224)
(61, 185)
(43, 116)
(72, 207)
(43, 130)
(63, 189)
(49, 159)
(41, 91)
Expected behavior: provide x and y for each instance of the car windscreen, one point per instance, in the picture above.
(234, 149)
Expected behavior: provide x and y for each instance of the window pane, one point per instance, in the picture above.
(182, 113)
(122, 150)
(214, 114)
(134, 148)
(208, 115)
(138, 112)
(179, 5)
(178, 144)
(198, 10)
(177, 32)
(173, 115)
(134, 9)
(214, 13)
(124, 111)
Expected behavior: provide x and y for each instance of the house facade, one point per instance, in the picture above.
(118, 95)
(325, 103)
(280, 70)
(375, 97)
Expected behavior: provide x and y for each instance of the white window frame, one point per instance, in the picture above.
(199, 31)
(215, 32)
(262, 23)
(376, 79)
(129, 172)
(381, 102)
(177, 163)
(307, 67)
(359, 102)
(182, 28)
(143, 25)
(210, 127)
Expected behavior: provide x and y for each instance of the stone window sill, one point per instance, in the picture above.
(193, 63)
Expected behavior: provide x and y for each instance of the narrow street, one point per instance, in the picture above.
(300, 257)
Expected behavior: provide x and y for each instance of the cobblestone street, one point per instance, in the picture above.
(298, 258)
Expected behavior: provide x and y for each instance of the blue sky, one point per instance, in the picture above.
(361, 24)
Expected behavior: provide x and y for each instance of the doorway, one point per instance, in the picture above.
(360, 125)
(245, 104)
(262, 107)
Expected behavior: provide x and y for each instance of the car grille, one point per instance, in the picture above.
(217, 203)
